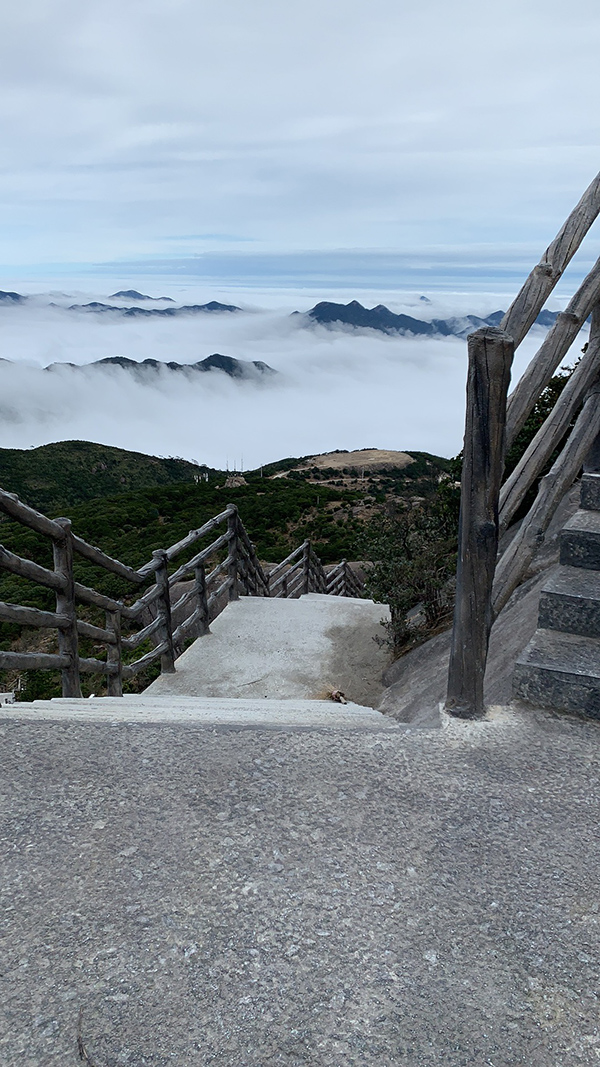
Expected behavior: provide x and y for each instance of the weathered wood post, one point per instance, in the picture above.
(163, 607)
(306, 568)
(68, 642)
(114, 657)
(202, 599)
(490, 357)
(233, 552)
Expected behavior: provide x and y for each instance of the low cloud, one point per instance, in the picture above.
(335, 388)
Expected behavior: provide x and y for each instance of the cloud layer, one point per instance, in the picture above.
(336, 388)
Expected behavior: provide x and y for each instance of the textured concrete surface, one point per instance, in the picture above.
(417, 683)
(298, 649)
(244, 898)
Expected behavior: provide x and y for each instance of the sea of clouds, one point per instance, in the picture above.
(336, 388)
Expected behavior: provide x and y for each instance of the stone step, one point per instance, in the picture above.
(590, 492)
(580, 541)
(570, 601)
(559, 670)
(316, 715)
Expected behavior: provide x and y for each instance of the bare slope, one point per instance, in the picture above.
(369, 459)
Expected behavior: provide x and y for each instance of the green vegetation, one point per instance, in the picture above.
(414, 551)
(58, 476)
(414, 561)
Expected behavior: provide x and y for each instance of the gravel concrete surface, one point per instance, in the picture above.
(244, 898)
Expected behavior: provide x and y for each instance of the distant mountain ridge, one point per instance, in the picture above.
(328, 313)
(188, 309)
(149, 370)
(132, 294)
(11, 298)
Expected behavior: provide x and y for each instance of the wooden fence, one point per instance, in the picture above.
(484, 581)
(220, 572)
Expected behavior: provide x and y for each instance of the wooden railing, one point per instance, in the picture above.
(302, 572)
(484, 581)
(219, 572)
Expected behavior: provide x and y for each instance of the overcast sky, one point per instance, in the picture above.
(430, 141)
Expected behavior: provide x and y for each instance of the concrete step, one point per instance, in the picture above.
(316, 715)
(590, 492)
(560, 670)
(570, 601)
(580, 541)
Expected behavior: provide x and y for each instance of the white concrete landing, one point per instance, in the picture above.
(286, 649)
(204, 711)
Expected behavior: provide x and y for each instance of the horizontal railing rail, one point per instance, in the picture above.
(163, 619)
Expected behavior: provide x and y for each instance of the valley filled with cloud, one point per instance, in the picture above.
(334, 386)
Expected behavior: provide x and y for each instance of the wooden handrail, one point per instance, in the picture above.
(68, 644)
(287, 561)
(549, 435)
(26, 516)
(32, 617)
(26, 568)
(551, 353)
(527, 305)
(189, 567)
(113, 566)
(187, 541)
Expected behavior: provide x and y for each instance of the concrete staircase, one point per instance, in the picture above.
(560, 668)
(267, 664)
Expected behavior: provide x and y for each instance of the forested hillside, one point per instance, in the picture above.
(59, 475)
(129, 503)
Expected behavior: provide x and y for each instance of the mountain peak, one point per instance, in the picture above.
(132, 294)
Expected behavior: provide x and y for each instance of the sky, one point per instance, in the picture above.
(331, 143)
(271, 155)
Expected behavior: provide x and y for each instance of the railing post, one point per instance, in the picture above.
(490, 357)
(306, 583)
(163, 606)
(200, 579)
(68, 642)
(114, 679)
(233, 552)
